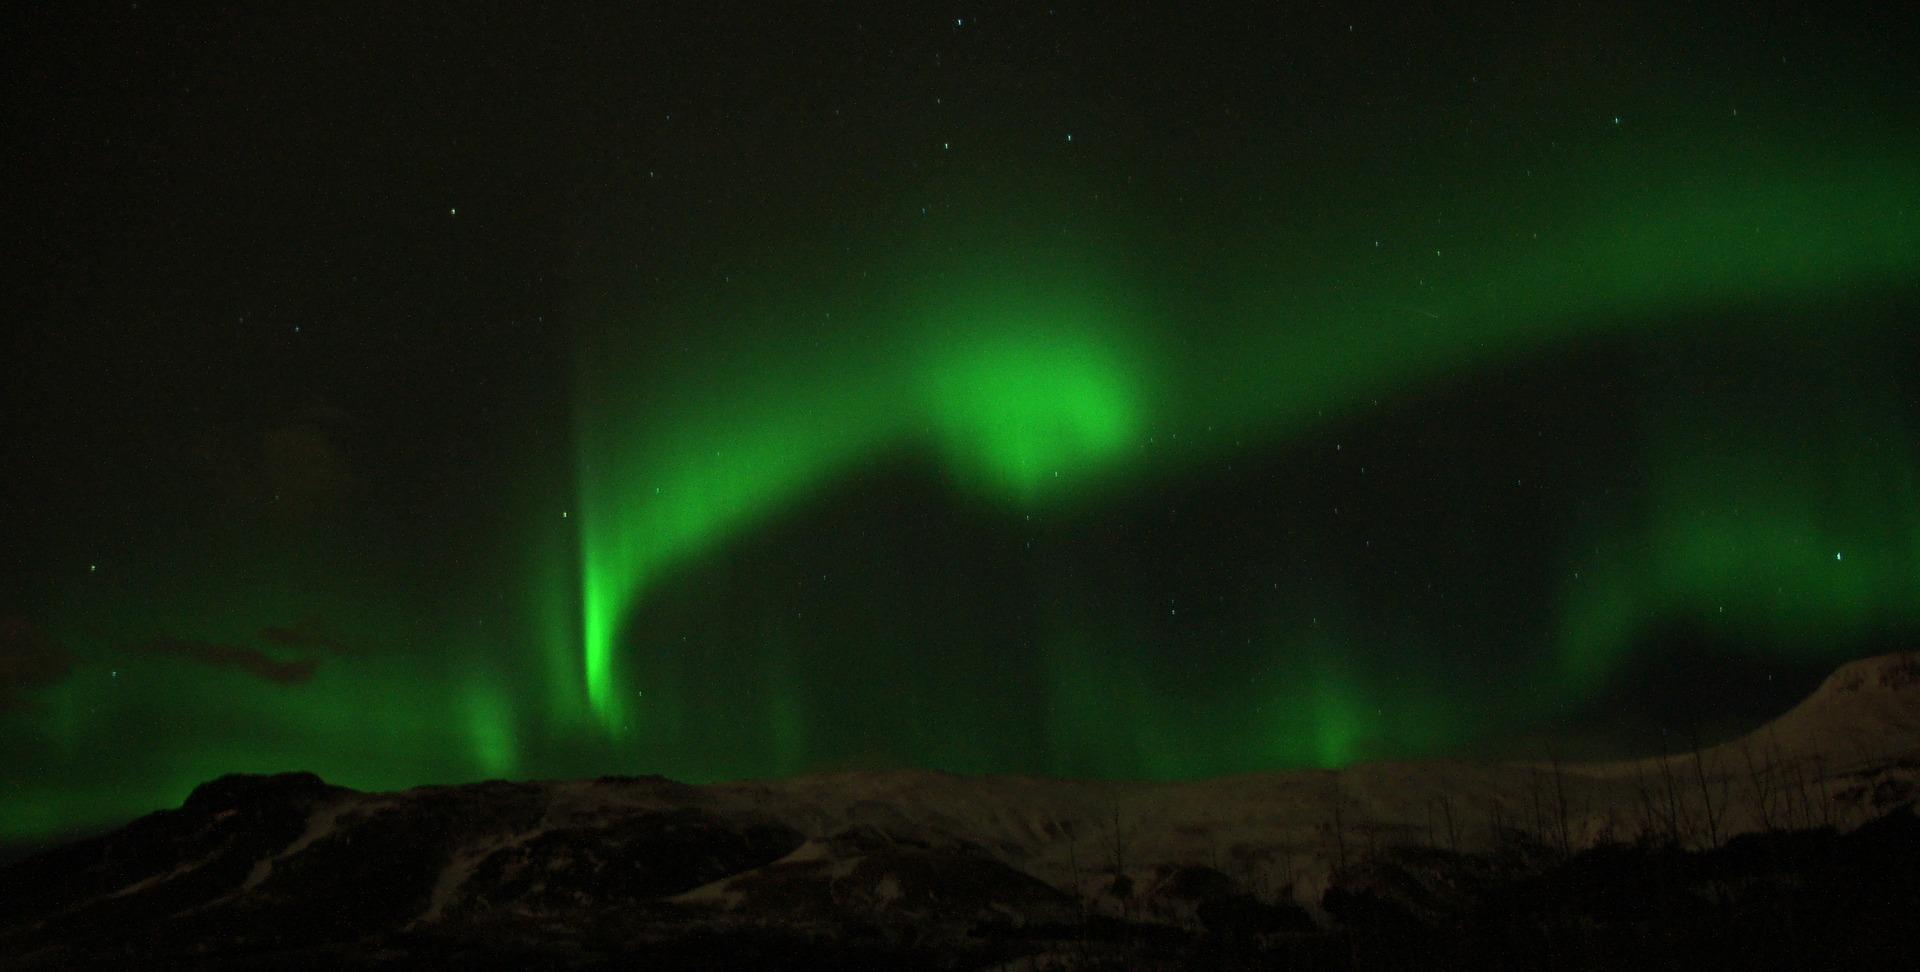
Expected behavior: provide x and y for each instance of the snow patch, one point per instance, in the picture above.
(324, 820)
(158, 879)
(466, 860)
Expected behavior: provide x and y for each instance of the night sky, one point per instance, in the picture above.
(424, 394)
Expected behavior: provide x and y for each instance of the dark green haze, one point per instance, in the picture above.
(1041, 379)
(1046, 392)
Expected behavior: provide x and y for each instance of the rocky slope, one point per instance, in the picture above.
(918, 869)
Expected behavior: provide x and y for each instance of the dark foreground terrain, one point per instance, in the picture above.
(223, 883)
(1795, 847)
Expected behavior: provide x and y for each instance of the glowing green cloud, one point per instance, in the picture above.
(694, 602)
(1025, 388)
(365, 723)
(1030, 371)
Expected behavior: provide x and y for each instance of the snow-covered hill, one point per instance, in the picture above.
(914, 866)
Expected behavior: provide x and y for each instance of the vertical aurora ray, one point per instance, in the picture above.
(800, 407)
(1023, 384)
(490, 730)
(1028, 385)
(653, 492)
(631, 539)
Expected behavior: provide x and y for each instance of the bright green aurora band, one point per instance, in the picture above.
(1055, 378)
(1045, 493)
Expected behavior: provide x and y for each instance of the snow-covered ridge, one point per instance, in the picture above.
(265, 858)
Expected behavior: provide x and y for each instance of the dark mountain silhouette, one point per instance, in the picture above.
(1795, 845)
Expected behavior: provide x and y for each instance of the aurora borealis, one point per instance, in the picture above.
(1039, 390)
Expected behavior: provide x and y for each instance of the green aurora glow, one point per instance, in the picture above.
(1048, 373)
(1211, 451)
